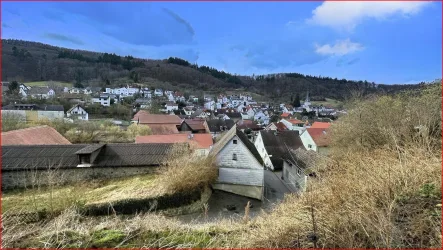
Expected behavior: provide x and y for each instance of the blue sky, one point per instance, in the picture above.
(384, 42)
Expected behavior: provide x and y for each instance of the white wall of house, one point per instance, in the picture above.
(294, 177)
(170, 108)
(262, 151)
(238, 166)
(308, 142)
(104, 101)
(79, 113)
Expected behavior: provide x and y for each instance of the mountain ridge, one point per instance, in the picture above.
(28, 61)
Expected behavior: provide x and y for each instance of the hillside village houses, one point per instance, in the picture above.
(234, 128)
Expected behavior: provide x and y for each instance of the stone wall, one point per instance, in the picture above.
(34, 178)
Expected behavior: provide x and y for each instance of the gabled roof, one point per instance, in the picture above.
(196, 124)
(22, 157)
(234, 131)
(41, 135)
(33, 107)
(244, 124)
(144, 117)
(323, 125)
(73, 107)
(285, 115)
(200, 141)
(216, 124)
(295, 121)
(38, 90)
(278, 144)
(320, 136)
(163, 129)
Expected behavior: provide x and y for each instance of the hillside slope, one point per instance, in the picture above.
(32, 61)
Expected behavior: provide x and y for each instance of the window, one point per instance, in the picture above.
(309, 146)
(234, 141)
(85, 159)
(234, 157)
(299, 172)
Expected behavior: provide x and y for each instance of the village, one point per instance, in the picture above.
(262, 151)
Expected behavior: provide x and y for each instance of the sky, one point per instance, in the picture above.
(382, 42)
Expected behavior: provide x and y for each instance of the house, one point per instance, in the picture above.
(142, 103)
(324, 125)
(178, 96)
(219, 126)
(188, 111)
(279, 126)
(201, 143)
(158, 92)
(102, 99)
(294, 124)
(40, 135)
(159, 124)
(34, 112)
(273, 145)
(316, 139)
(23, 90)
(261, 117)
(298, 167)
(77, 112)
(285, 115)
(196, 126)
(171, 106)
(240, 165)
(76, 91)
(200, 113)
(80, 162)
(210, 105)
(41, 92)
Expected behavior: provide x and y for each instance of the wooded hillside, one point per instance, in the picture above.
(26, 61)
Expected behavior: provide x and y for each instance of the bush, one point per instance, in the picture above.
(185, 173)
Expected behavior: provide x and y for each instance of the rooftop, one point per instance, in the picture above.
(41, 135)
(200, 141)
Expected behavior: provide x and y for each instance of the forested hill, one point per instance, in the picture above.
(31, 61)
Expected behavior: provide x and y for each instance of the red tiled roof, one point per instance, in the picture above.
(145, 118)
(285, 114)
(41, 135)
(281, 126)
(295, 121)
(196, 124)
(201, 141)
(163, 129)
(320, 136)
(324, 125)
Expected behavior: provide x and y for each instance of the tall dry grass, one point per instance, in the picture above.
(381, 187)
(185, 171)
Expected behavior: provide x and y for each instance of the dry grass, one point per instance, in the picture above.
(59, 198)
(185, 172)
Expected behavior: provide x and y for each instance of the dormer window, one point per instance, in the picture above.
(85, 159)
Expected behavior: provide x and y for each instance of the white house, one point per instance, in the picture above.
(316, 139)
(24, 90)
(261, 117)
(210, 105)
(75, 91)
(240, 165)
(77, 112)
(104, 100)
(171, 106)
(158, 92)
(294, 124)
(297, 167)
(40, 92)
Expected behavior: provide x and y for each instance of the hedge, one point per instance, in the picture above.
(132, 206)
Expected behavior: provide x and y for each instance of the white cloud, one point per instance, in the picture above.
(347, 15)
(340, 48)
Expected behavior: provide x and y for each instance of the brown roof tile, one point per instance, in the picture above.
(42, 135)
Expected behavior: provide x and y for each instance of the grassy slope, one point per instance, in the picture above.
(46, 83)
(62, 197)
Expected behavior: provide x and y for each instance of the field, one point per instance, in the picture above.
(328, 103)
(56, 199)
(46, 83)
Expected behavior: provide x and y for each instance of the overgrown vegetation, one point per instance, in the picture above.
(80, 131)
(380, 188)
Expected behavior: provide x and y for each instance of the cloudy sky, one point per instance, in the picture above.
(385, 42)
